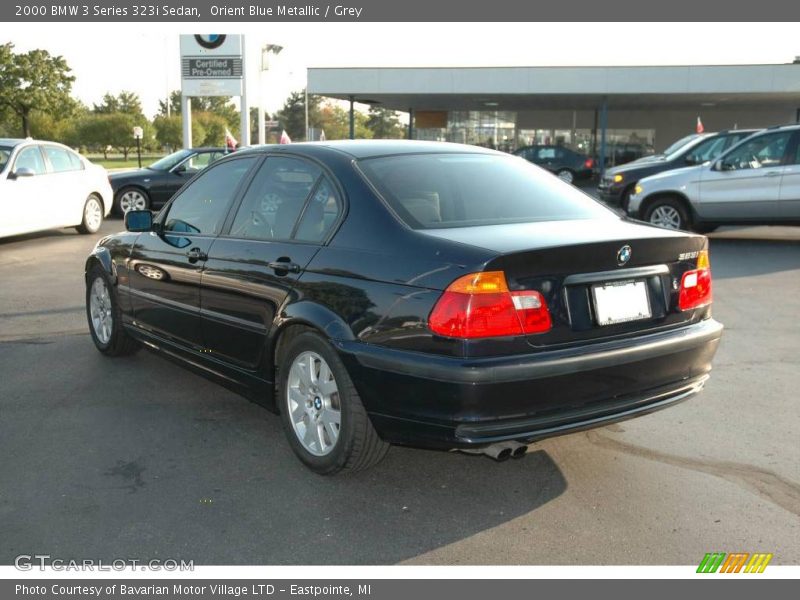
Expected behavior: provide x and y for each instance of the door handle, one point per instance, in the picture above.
(772, 174)
(196, 254)
(284, 264)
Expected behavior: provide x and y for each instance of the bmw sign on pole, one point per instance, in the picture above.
(212, 65)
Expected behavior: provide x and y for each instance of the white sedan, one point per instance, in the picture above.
(44, 185)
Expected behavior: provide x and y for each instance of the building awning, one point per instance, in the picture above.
(576, 88)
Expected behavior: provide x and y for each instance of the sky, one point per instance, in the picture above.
(145, 59)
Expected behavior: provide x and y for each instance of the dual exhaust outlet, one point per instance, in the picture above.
(500, 451)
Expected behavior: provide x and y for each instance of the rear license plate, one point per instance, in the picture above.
(620, 302)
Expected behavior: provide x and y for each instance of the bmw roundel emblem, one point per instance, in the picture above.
(210, 40)
(624, 255)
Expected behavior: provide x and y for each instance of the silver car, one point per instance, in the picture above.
(755, 182)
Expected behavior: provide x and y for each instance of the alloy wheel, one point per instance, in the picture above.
(666, 216)
(132, 200)
(93, 214)
(100, 310)
(313, 404)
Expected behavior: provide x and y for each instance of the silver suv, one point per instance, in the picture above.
(755, 182)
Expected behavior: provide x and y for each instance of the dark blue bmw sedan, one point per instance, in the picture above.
(400, 292)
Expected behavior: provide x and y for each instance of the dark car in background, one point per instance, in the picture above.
(618, 183)
(568, 165)
(435, 295)
(624, 152)
(153, 185)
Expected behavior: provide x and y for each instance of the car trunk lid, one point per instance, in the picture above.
(587, 269)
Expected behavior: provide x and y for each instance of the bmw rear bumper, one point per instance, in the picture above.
(444, 402)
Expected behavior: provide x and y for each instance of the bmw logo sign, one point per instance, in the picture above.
(624, 255)
(210, 40)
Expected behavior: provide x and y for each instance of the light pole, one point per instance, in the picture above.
(266, 50)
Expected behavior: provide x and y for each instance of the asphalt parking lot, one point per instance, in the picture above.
(138, 458)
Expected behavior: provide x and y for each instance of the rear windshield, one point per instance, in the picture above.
(432, 191)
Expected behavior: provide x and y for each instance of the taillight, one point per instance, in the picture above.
(695, 288)
(589, 163)
(480, 305)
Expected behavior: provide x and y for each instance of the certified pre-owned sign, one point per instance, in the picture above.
(212, 68)
(211, 65)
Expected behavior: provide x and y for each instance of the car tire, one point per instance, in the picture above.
(93, 211)
(129, 198)
(105, 316)
(625, 199)
(669, 213)
(314, 391)
(566, 175)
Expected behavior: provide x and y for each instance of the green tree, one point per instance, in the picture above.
(335, 121)
(126, 102)
(31, 81)
(219, 105)
(109, 105)
(174, 103)
(115, 130)
(46, 126)
(384, 124)
(214, 126)
(169, 131)
(58, 125)
(7, 120)
(292, 116)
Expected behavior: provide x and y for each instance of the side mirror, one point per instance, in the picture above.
(23, 172)
(139, 220)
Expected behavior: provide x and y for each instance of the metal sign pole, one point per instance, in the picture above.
(186, 116)
(244, 138)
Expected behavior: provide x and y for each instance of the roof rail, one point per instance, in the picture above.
(782, 125)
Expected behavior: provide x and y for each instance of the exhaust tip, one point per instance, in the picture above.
(520, 451)
(504, 454)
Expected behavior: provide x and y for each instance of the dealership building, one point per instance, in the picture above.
(591, 109)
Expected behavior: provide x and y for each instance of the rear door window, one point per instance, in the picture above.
(275, 199)
(59, 158)
(320, 214)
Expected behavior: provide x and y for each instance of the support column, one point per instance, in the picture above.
(186, 119)
(352, 119)
(411, 123)
(603, 128)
